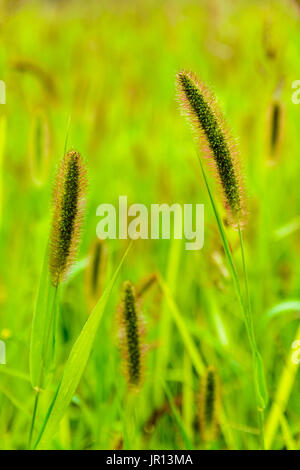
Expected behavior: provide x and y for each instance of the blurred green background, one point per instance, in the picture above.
(110, 67)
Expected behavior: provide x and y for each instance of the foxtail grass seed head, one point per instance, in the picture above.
(200, 107)
(68, 205)
(275, 126)
(96, 271)
(131, 336)
(209, 405)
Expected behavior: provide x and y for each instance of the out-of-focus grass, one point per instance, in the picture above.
(111, 66)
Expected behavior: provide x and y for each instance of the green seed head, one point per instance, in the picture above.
(209, 404)
(68, 204)
(275, 126)
(214, 140)
(131, 336)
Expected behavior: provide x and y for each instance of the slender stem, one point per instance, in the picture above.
(245, 306)
(251, 329)
(38, 390)
(36, 401)
(261, 417)
(248, 301)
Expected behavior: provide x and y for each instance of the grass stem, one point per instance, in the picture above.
(260, 388)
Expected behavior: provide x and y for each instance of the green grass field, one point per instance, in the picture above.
(106, 71)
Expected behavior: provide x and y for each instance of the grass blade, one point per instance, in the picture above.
(283, 391)
(75, 366)
(41, 325)
(179, 321)
(185, 437)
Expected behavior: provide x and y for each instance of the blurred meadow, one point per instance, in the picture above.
(108, 69)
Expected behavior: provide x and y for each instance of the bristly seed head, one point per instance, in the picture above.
(201, 109)
(68, 204)
(209, 404)
(275, 125)
(131, 336)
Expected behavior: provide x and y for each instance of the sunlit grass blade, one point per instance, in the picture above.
(286, 433)
(182, 328)
(184, 434)
(75, 365)
(283, 391)
(165, 325)
(282, 308)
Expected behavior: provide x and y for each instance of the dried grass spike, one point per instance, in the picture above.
(68, 204)
(209, 404)
(208, 124)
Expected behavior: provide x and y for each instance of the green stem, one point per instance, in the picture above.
(260, 388)
(36, 401)
(252, 333)
(44, 360)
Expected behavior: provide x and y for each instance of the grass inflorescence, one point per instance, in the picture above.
(131, 336)
(201, 108)
(209, 404)
(68, 203)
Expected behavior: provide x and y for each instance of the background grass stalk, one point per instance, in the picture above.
(283, 391)
(252, 331)
(165, 327)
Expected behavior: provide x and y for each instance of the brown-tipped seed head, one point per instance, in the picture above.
(201, 109)
(209, 405)
(68, 205)
(131, 336)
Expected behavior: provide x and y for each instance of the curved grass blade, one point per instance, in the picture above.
(75, 366)
(283, 391)
(282, 308)
(183, 330)
(184, 434)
